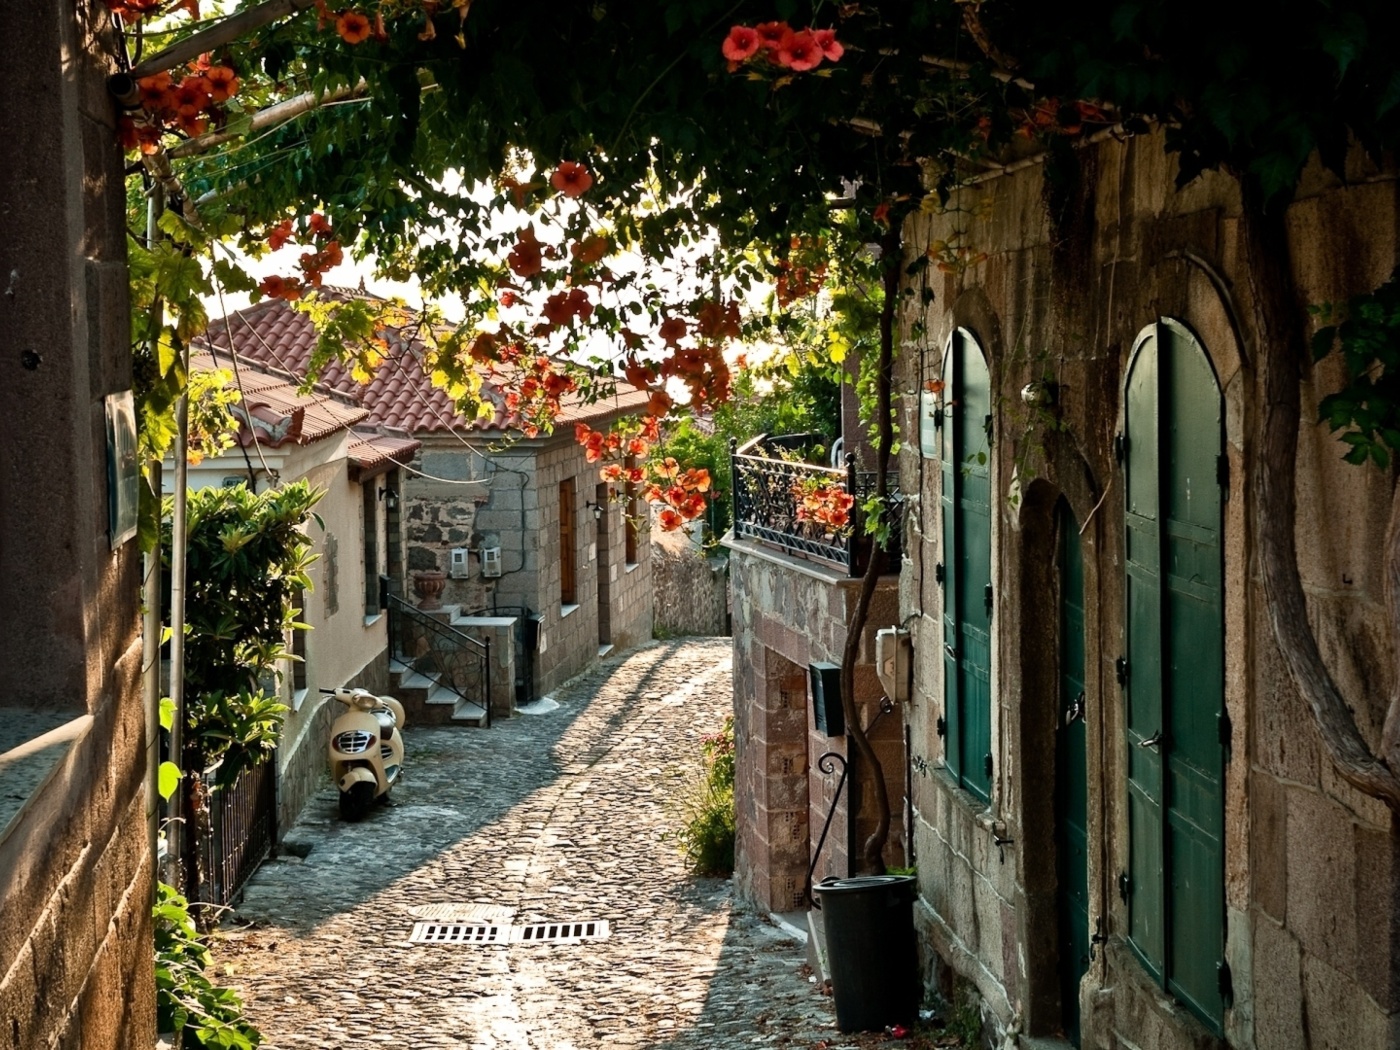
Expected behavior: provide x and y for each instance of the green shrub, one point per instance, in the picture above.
(706, 836)
(187, 1002)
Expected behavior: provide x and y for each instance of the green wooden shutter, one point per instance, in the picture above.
(1175, 679)
(1144, 638)
(1194, 673)
(1071, 778)
(967, 559)
(952, 574)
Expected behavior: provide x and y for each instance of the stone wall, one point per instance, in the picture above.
(787, 614)
(76, 851)
(1312, 872)
(690, 590)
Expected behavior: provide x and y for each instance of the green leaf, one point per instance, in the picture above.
(168, 778)
(167, 711)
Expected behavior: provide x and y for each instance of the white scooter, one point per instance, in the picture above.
(366, 749)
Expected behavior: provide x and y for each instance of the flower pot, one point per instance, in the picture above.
(428, 585)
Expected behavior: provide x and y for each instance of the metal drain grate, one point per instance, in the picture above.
(459, 933)
(473, 913)
(498, 933)
(560, 932)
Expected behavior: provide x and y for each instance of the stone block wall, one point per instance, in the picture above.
(691, 590)
(1311, 882)
(76, 880)
(787, 615)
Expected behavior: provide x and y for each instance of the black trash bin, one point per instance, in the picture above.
(869, 924)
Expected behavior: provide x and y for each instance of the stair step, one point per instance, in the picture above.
(440, 694)
(418, 680)
(604, 650)
(467, 711)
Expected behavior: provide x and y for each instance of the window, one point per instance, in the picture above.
(1174, 681)
(371, 525)
(568, 583)
(966, 423)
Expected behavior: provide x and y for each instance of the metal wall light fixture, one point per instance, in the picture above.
(390, 496)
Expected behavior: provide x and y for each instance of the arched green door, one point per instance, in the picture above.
(1071, 778)
(1175, 667)
(967, 561)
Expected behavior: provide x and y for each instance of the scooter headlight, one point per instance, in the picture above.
(353, 742)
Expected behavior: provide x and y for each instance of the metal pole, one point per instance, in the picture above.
(177, 629)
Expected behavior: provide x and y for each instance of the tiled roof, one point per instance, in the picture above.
(400, 394)
(370, 450)
(273, 412)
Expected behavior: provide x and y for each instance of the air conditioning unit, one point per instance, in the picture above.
(459, 567)
(894, 661)
(490, 562)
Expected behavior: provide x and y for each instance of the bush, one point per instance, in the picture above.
(187, 1002)
(707, 835)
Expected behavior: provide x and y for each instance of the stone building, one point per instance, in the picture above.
(76, 819)
(1126, 828)
(521, 526)
(792, 590)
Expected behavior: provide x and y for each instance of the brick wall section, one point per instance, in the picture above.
(75, 861)
(787, 615)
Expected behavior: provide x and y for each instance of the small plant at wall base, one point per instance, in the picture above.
(197, 1011)
(707, 835)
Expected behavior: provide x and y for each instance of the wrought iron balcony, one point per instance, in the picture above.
(770, 484)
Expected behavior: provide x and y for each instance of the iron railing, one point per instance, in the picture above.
(436, 649)
(240, 831)
(767, 495)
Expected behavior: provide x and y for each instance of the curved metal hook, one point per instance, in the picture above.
(824, 763)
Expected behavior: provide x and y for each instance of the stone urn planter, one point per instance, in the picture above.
(428, 585)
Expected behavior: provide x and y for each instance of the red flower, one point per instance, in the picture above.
(509, 298)
(771, 34)
(223, 83)
(670, 520)
(319, 225)
(659, 403)
(669, 468)
(280, 235)
(571, 179)
(590, 249)
(799, 52)
(525, 259)
(275, 287)
(672, 330)
(192, 124)
(882, 214)
(353, 27)
(126, 134)
(191, 97)
(742, 43)
(157, 92)
(830, 47)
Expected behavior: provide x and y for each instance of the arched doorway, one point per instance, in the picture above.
(1173, 673)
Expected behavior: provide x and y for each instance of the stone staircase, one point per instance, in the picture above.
(427, 701)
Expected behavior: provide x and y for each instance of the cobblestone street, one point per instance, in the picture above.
(554, 816)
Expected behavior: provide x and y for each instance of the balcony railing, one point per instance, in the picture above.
(768, 490)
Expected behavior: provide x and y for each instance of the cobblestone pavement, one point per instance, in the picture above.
(556, 816)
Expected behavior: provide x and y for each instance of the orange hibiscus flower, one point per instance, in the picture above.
(571, 179)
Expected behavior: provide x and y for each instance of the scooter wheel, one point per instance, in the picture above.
(356, 802)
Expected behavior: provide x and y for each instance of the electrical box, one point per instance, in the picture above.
(459, 568)
(827, 713)
(894, 661)
(490, 562)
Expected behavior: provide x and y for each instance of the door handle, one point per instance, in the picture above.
(1075, 711)
(952, 653)
(1152, 741)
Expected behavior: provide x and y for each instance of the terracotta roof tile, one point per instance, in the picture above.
(401, 393)
(369, 451)
(274, 413)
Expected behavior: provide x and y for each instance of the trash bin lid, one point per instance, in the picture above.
(862, 883)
